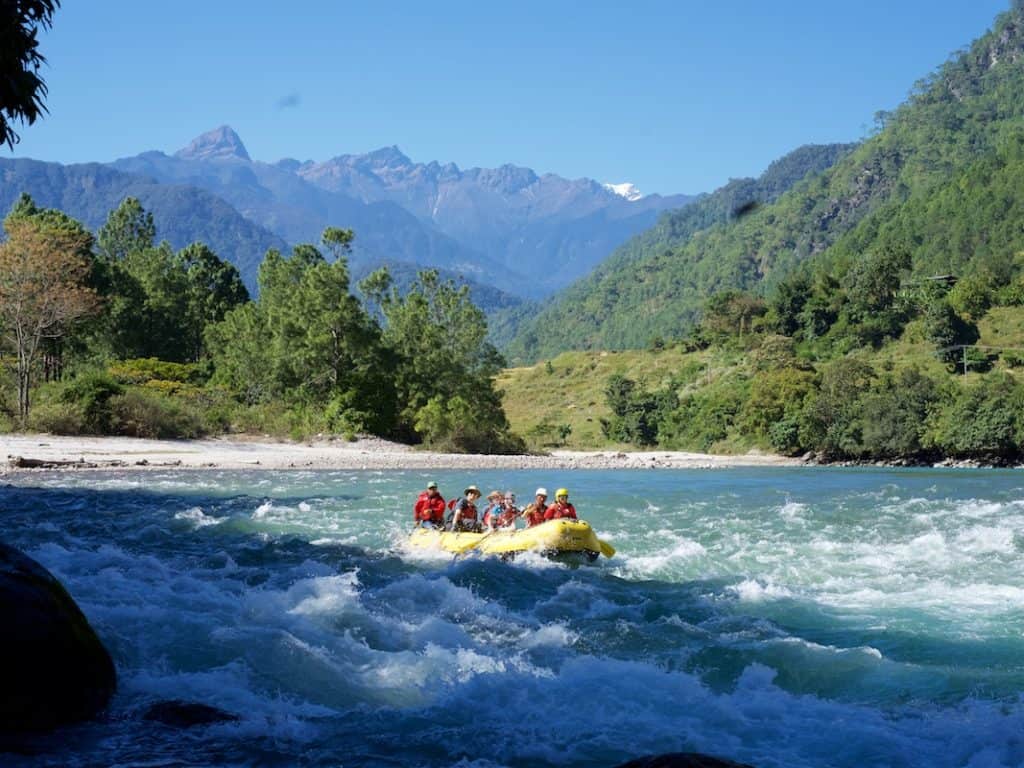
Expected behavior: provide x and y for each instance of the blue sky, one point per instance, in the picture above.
(673, 96)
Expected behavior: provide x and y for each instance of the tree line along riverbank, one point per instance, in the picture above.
(119, 334)
(133, 339)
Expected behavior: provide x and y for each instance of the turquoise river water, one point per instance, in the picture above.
(780, 617)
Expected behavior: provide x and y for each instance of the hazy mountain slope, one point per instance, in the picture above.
(279, 200)
(524, 233)
(403, 274)
(593, 314)
(550, 228)
(910, 186)
(182, 214)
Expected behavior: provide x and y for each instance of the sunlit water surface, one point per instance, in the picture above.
(783, 617)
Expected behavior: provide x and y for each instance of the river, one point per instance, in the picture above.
(780, 617)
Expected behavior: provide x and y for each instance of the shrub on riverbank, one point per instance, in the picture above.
(96, 404)
(860, 407)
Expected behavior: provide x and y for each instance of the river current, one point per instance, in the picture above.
(780, 617)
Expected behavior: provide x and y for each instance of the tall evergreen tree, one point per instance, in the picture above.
(214, 287)
(128, 229)
(445, 365)
(307, 339)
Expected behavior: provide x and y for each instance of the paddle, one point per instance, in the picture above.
(606, 549)
(473, 544)
(478, 542)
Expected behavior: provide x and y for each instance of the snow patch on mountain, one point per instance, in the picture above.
(626, 190)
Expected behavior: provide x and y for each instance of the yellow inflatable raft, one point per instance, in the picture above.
(553, 537)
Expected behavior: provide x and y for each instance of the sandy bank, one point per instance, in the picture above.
(371, 453)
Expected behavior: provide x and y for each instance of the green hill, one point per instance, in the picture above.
(874, 311)
(940, 180)
(569, 390)
(597, 311)
(897, 402)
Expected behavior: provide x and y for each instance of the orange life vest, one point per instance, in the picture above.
(534, 515)
(557, 511)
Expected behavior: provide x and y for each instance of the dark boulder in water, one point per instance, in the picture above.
(185, 714)
(682, 760)
(54, 668)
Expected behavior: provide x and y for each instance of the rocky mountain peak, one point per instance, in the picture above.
(219, 144)
(387, 157)
(289, 164)
(507, 178)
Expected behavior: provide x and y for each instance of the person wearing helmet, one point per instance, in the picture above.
(464, 514)
(534, 512)
(429, 507)
(561, 508)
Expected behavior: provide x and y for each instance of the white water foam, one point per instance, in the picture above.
(753, 591)
(622, 709)
(263, 510)
(987, 539)
(792, 510)
(295, 656)
(675, 553)
(198, 518)
(301, 646)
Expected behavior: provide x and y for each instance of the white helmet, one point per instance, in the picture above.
(541, 492)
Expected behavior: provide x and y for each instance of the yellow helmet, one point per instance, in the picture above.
(562, 493)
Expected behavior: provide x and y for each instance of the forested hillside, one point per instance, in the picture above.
(874, 312)
(595, 312)
(937, 180)
(404, 275)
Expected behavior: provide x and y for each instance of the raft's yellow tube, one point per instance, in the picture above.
(553, 536)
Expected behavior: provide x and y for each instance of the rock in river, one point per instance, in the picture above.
(54, 668)
(185, 714)
(682, 760)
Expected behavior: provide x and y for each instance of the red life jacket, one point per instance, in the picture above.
(534, 515)
(498, 516)
(508, 517)
(468, 510)
(429, 508)
(556, 511)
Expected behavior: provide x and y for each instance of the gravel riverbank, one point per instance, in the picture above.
(21, 452)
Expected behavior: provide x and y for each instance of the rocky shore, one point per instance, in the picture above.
(29, 452)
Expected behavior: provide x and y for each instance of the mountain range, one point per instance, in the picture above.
(508, 227)
(549, 229)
